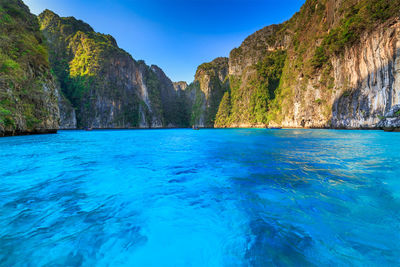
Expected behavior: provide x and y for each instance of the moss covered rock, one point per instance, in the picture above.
(28, 92)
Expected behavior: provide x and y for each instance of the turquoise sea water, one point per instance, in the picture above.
(200, 198)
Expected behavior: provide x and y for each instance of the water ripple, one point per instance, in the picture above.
(200, 198)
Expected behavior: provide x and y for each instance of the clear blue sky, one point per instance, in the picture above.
(177, 35)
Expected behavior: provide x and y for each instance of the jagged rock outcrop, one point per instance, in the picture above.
(333, 64)
(180, 86)
(28, 92)
(349, 77)
(363, 84)
(391, 120)
(254, 48)
(104, 84)
(205, 93)
(370, 73)
(173, 101)
(67, 114)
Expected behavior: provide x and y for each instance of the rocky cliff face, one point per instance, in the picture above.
(180, 86)
(349, 78)
(334, 64)
(369, 76)
(173, 101)
(67, 114)
(254, 48)
(103, 83)
(391, 121)
(362, 84)
(28, 92)
(205, 93)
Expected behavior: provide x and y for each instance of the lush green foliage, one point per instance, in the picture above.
(208, 91)
(357, 19)
(196, 110)
(223, 117)
(214, 66)
(95, 74)
(77, 72)
(219, 88)
(269, 74)
(81, 60)
(250, 104)
(153, 85)
(269, 71)
(24, 68)
(321, 30)
(320, 57)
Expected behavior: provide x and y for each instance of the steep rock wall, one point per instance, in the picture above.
(365, 85)
(180, 86)
(105, 85)
(369, 74)
(28, 92)
(67, 114)
(173, 101)
(334, 64)
(205, 93)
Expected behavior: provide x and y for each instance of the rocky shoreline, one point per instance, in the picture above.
(22, 133)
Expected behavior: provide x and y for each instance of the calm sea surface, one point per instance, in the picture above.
(200, 198)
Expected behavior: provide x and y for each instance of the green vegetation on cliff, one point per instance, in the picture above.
(206, 92)
(197, 103)
(357, 18)
(27, 93)
(269, 73)
(285, 73)
(83, 62)
(223, 117)
(288, 73)
(171, 99)
(248, 103)
(107, 87)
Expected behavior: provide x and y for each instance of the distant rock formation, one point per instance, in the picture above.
(205, 93)
(334, 64)
(180, 86)
(67, 114)
(105, 86)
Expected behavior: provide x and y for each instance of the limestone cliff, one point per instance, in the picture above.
(104, 84)
(67, 114)
(333, 64)
(205, 93)
(28, 92)
(349, 79)
(367, 78)
(173, 101)
(391, 121)
(180, 86)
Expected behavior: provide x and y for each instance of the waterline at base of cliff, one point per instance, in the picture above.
(35, 132)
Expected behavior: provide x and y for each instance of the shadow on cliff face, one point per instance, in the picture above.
(351, 106)
(196, 100)
(99, 102)
(364, 105)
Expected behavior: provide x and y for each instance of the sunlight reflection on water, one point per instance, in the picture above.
(200, 198)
